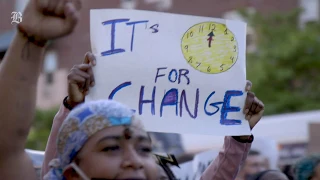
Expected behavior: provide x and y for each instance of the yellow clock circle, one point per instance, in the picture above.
(210, 47)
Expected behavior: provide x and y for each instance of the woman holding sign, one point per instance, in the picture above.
(129, 155)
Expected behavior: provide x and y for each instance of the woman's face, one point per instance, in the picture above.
(113, 154)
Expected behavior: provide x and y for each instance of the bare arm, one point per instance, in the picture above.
(18, 81)
(51, 149)
(19, 72)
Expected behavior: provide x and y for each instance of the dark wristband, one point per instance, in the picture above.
(66, 105)
(249, 140)
(31, 39)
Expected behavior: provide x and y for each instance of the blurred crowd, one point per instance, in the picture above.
(257, 167)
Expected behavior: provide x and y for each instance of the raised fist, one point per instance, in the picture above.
(50, 19)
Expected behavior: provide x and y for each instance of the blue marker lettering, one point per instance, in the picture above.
(158, 69)
(226, 108)
(212, 104)
(184, 72)
(115, 90)
(183, 98)
(133, 28)
(113, 30)
(175, 75)
(170, 99)
(155, 28)
(142, 101)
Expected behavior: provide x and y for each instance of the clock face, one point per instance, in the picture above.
(210, 47)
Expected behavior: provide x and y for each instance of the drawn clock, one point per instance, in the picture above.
(210, 47)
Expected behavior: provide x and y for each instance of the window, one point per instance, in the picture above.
(164, 5)
(161, 5)
(251, 40)
(49, 78)
(128, 4)
(50, 66)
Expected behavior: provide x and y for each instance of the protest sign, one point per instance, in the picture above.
(182, 74)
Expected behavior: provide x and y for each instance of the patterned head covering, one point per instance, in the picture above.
(83, 122)
(304, 169)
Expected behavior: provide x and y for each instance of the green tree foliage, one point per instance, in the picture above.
(40, 130)
(285, 70)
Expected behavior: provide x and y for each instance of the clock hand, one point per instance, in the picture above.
(210, 39)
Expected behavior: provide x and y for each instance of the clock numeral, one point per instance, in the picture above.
(209, 69)
(221, 67)
(226, 31)
(234, 48)
(232, 38)
(232, 58)
(201, 29)
(212, 27)
(190, 59)
(198, 64)
(186, 47)
(190, 34)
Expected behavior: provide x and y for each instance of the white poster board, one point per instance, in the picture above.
(182, 74)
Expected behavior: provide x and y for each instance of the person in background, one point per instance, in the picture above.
(255, 163)
(268, 175)
(308, 168)
(225, 166)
